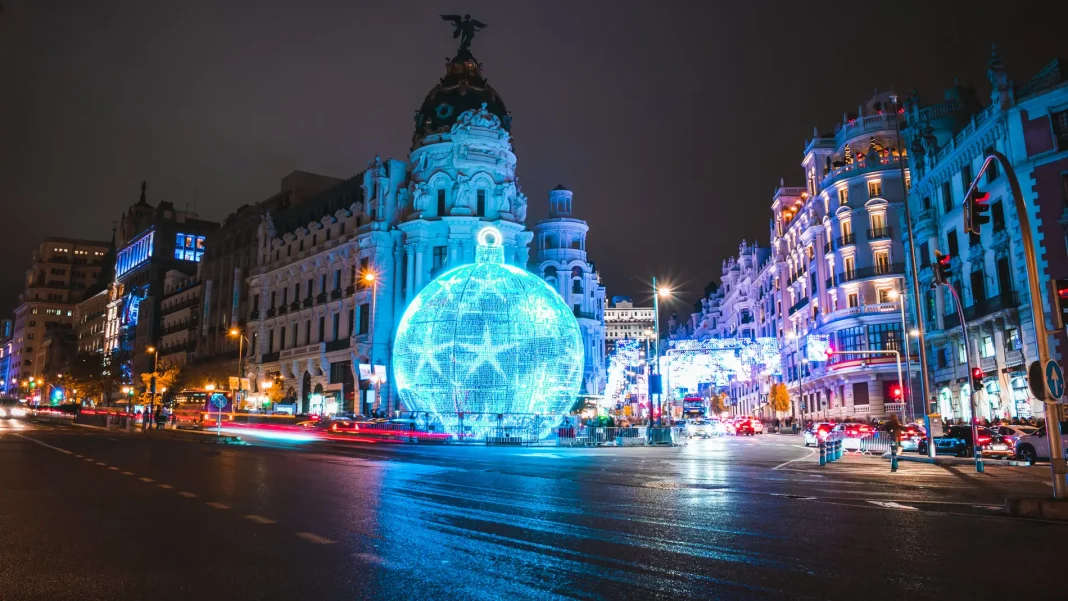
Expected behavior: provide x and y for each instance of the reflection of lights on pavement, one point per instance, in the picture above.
(269, 434)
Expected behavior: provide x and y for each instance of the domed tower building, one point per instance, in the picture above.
(462, 177)
(560, 258)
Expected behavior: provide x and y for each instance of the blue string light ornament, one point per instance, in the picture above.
(488, 345)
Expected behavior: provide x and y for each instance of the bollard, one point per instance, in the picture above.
(823, 453)
(830, 450)
(893, 456)
(837, 449)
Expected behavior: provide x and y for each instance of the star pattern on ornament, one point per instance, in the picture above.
(428, 353)
(486, 352)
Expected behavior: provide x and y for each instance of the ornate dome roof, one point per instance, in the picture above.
(463, 88)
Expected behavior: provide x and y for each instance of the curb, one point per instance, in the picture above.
(189, 435)
(957, 460)
(1046, 509)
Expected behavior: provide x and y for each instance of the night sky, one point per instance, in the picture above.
(671, 121)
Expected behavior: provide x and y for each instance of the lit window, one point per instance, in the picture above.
(875, 188)
(188, 247)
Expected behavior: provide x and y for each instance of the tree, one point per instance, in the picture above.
(99, 375)
(719, 403)
(167, 376)
(779, 397)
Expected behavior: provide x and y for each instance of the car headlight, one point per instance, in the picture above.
(4, 413)
(17, 413)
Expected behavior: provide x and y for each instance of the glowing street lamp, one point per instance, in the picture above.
(241, 340)
(657, 294)
(900, 298)
(371, 278)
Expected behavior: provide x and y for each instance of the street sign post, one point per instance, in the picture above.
(219, 400)
(1054, 380)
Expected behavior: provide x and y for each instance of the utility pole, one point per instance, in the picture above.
(925, 385)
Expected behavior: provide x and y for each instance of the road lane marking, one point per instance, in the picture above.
(150, 480)
(90, 460)
(217, 505)
(893, 505)
(113, 468)
(315, 538)
(43, 444)
(165, 486)
(259, 519)
(811, 452)
(100, 463)
(127, 473)
(187, 495)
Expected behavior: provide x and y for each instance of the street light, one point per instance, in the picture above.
(155, 368)
(657, 293)
(372, 278)
(797, 359)
(240, 358)
(900, 297)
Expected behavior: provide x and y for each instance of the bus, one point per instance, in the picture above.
(193, 407)
(694, 407)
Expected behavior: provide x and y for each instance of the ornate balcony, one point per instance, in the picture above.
(878, 233)
(846, 240)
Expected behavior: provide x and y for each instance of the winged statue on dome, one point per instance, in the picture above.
(465, 29)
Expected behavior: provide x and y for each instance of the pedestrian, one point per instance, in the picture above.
(146, 419)
(158, 417)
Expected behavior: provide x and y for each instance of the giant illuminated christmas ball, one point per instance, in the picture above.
(488, 339)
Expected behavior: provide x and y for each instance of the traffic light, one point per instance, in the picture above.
(975, 213)
(941, 268)
(896, 394)
(830, 353)
(977, 378)
(1059, 303)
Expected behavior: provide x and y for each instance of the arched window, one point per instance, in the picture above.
(550, 272)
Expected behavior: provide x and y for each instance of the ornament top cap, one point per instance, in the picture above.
(490, 245)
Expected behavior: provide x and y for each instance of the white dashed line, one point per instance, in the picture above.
(259, 519)
(217, 505)
(150, 480)
(166, 486)
(100, 463)
(113, 468)
(315, 538)
(88, 459)
(187, 495)
(893, 505)
(127, 473)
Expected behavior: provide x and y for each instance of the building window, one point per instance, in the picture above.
(997, 216)
(853, 300)
(440, 257)
(962, 354)
(480, 203)
(188, 247)
(926, 202)
(1012, 340)
(966, 176)
(843, 196)
(943, 358)
(441, 203)
(884, 295)
(885, 337)
(882, 262)
(337, 279)
(365, 314)
(992, 170)
(875, 188)
(336, 326)
(282, 338)
(951, 242)
(1060, 129)
(986, 347)
(947, 197)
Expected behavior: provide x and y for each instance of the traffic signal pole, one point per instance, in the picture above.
(1038, 316)
(971, 392)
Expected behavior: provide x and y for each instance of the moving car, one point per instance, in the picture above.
(698, 427)
(1035, 447)
(717, 428)
(911, 437)
(758, 426)
(10, 408)
(744, 428)
(817, 432)
(331, 424)
(957, 441)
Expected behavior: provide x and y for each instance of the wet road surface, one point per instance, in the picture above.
(88, 514)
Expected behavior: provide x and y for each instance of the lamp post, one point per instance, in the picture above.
(240, 358)
(657, 293)
(218, 422)
(900, 297)
(155, 368)
(800, 387)
(372, 278)
(266, 386)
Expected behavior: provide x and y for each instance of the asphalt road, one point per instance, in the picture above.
(87, 514)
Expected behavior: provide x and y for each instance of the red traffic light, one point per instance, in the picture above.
(895, 392)
(977, 373)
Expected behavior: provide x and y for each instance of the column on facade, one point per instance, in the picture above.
(410, 275)
(420, 265)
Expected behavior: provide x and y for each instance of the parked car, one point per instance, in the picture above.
(911, 436)
(758, 426)
(851, 434)
(817, 432)
(1011, 434)
(1035, 447)
(957, 441)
